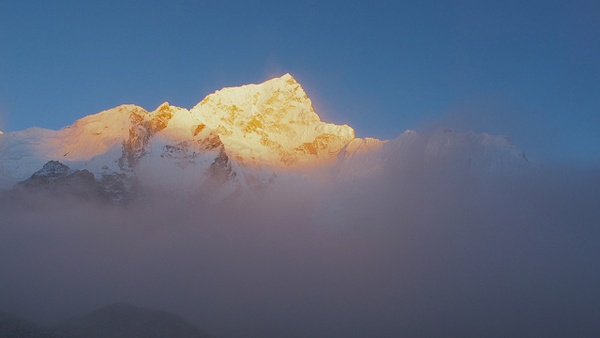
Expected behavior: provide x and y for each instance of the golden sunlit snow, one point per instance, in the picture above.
(270, 123)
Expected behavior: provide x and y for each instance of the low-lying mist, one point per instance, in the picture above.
(404, 254)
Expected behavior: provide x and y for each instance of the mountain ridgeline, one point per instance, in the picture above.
(112, 321)
(241, 140)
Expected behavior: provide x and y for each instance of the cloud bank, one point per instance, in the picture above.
(412, 253)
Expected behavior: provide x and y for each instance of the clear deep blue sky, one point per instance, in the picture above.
(526, 69)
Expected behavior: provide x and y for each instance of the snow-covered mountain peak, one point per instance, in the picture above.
(249, 137)
(477, 150)
(53, 168)
(163, 106)
(96, 134)
(273, 123)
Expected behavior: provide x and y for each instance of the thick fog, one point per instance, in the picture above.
(406, 253)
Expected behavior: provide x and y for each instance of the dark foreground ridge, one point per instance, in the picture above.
(113, 321)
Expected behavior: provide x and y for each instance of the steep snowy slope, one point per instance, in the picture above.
(271, 123)
(22, 153)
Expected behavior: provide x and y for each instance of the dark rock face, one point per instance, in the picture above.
(50, 172)
(58, 179)
(117, 187)
(128, 321)
(140, 135)
(220, 170)
(135, 147)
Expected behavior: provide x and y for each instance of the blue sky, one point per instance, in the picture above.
(525, 69)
